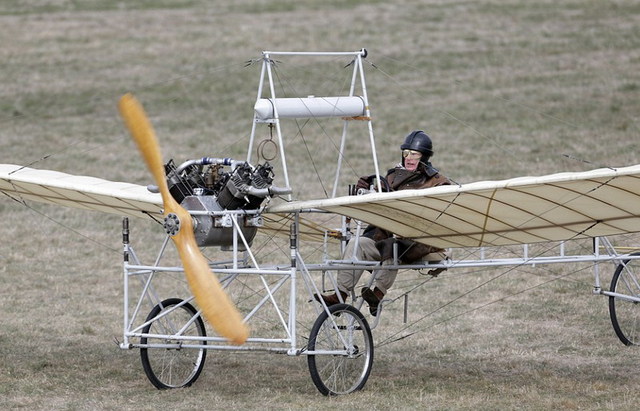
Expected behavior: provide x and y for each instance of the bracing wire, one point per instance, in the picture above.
(451, 115)
(475, 130)
(99, 146)
(478, 287)
(302, 137)
(492, 141)
(285, 84)
(502, 274)
(397, 337)
(300, 132)
(66, 227)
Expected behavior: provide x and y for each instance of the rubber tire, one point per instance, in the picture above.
(163, 365)
(625, 315)
(340, 374)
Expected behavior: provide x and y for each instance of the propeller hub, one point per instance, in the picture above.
(171, 224)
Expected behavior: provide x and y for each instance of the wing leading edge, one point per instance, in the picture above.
(87, 193)
(522, 210)
(124, 199)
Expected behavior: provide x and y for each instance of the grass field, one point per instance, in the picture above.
(505, 88)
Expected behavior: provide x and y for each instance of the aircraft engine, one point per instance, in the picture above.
(206, 185)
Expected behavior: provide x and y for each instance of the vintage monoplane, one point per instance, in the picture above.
(253, 304)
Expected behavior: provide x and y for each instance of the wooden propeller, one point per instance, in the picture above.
(217, 308)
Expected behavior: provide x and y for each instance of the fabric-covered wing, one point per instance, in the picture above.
(522, 210)
(90, 193)
(87, 193)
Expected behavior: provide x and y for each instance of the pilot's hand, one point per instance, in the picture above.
(363, 183)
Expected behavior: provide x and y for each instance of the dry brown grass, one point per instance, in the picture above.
(504, 87)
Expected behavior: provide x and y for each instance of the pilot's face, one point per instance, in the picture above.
(411, 159)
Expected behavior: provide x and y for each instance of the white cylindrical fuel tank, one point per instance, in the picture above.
(350, 106)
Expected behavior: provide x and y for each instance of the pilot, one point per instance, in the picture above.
(413, 172)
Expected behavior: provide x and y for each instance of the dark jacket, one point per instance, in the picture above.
(399, 178)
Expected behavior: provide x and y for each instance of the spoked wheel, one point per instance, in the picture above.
(170, 364)
(343, 349)
(625, 314)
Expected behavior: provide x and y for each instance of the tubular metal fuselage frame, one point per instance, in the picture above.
(289, 272)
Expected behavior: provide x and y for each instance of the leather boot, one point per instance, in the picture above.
(373, 298)
(331, 299)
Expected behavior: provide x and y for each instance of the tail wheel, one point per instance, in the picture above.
(165, 359)
(625, 314)
(342, 351)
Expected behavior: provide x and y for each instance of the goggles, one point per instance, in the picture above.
(411, 154)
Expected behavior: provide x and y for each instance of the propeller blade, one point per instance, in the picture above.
(217, 308)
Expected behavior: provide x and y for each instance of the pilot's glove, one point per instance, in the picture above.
(365, 185)
(365, 182)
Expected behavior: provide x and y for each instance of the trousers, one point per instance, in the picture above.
(365, 251)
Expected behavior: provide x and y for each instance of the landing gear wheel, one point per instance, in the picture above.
(344, 347)
(172, 365)
(625, 315)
